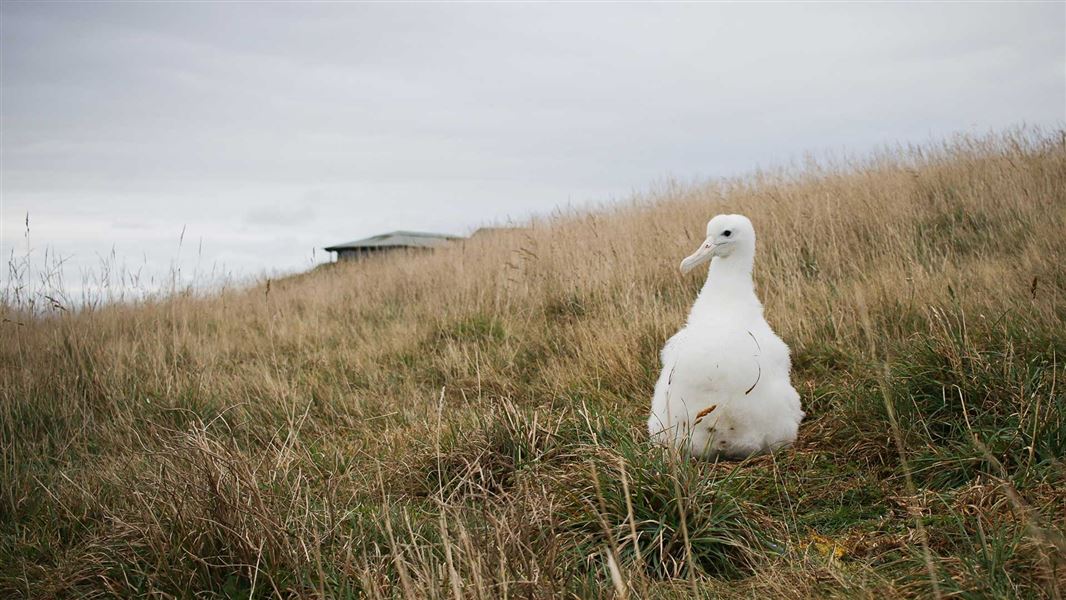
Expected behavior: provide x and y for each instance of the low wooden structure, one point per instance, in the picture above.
(387, 242)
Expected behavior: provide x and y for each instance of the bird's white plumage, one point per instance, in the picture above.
(725, 387)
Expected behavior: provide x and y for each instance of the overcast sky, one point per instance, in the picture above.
(267, 130)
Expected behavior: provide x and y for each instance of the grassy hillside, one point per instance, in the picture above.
(471, 423)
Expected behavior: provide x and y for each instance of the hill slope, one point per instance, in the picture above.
(470, 423)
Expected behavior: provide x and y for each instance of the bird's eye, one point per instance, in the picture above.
(727, 233)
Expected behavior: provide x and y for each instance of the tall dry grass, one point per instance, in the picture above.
(469, 423)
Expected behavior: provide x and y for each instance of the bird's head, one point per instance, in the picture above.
(726, 235)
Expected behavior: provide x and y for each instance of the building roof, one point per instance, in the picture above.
(494, 229)
(396, 239)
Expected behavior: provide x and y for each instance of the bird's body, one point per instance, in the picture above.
(725, 387)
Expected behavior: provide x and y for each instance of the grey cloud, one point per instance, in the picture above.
(280, 215)
(221, 116)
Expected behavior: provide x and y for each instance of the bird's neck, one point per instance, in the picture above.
(729, 288)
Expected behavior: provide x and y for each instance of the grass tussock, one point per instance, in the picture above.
(469, 423)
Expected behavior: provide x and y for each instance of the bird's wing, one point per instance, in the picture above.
(672, 348)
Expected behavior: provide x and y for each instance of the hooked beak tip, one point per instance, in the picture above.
(703, 254)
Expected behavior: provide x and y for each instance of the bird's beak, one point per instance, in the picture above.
(702, 255)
